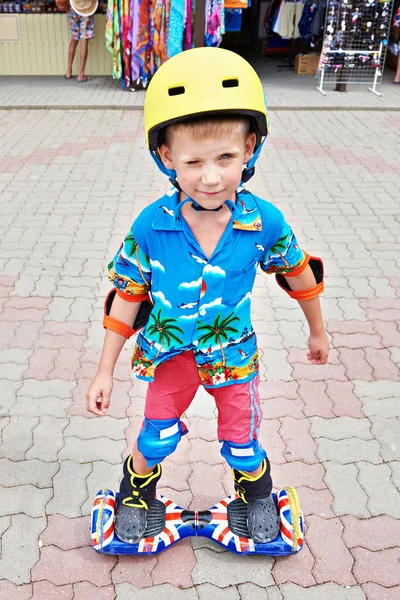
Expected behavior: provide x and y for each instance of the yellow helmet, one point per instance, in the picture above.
(201, 82)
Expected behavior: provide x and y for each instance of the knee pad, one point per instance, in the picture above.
(243, 457)
(159, 438)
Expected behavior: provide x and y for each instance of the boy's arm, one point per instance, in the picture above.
(318, 342)
(99, 392)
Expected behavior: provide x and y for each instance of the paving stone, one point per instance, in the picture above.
(382, 366)
(82, 564)
(296, 570)
(395, 355)
(20, 549)
(333, 561)
(276, 361)
(87, 591)
(18, 437)
(208, 451)
(349, 450)
(45, 589)
(69, 489)
(349, 496)
(59, 309)
(140, 576)
(175, 566)
(24, 499)
(249, 591)
(350, 327)
(316, 502)
(202, 406)
(340, 428)
(316, 401)
(321, 592)
(41, 364)
(276, 388)
(15, 592)
(299, 443)
(345, 402)
(207, 591)
(205, 485)
(293, 334)
(373, 534)
(356, 365)
(85, 451)
(380, 567)
(395, 473)
(103, 475)
(231, 569)
(42, 389)
(390, 335)
(67, 334)
(47, 439)
(356, 340)
(26, 335)
(35, 472)
(272, 441)
(273, 409)
(383, 498)
(87, 429)
(297, 474)
(176, 476)
(377, 592)
(205, 429)
(126, 591)
(8, 395)
(387, 432)
(66, 533)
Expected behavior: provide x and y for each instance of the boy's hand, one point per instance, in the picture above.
(98, 395)
(318, 345)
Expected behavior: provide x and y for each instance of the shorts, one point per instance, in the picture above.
(175, 384)
(82, 28)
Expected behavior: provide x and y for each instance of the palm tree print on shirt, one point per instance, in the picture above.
(163, 328)
(218, 331)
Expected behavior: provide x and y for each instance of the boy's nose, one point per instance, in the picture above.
(211, 177)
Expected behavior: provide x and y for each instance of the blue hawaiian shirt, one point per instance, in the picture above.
(202, 304)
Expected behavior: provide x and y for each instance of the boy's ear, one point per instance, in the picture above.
(165, 155)
(249, 147)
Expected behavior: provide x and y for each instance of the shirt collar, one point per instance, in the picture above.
(245, 213)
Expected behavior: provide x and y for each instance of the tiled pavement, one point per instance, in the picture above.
(70, 185)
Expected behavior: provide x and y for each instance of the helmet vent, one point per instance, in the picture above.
(176, 91)
(230, 83)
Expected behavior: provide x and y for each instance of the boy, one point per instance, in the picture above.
(196, 251)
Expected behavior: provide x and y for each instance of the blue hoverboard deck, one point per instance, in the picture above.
(224, 523)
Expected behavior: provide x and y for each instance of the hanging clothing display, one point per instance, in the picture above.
(288, 19)
(142, 34)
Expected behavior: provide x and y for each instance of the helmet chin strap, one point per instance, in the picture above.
(197, 207)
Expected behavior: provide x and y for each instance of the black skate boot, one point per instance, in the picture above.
(137, 493)
(262, 515)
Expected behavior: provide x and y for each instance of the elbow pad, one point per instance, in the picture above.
(120, 327)
(317, 267)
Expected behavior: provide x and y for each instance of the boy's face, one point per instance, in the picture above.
(208, 170)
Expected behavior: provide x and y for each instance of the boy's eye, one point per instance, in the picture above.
(192, 162)
(225, 156)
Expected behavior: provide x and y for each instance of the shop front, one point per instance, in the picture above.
(133, 37)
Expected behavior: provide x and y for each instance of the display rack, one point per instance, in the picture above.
(355, 42)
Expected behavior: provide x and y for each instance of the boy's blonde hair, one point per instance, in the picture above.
(202, 128)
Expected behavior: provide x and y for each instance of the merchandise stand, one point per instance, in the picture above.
(355, 43)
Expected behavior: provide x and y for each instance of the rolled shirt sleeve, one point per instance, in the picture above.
(130, 270)
(285, 255)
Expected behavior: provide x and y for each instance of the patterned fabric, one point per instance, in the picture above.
(132, 36)
(215, 26)
(82, 28)
(203, 306)
(113, 39)
(176, 27)
(126, 27)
